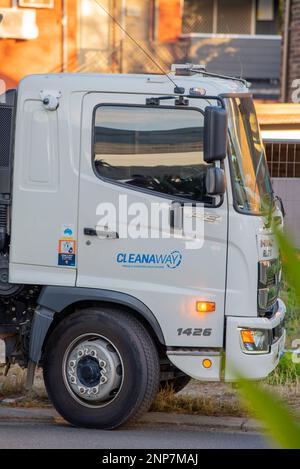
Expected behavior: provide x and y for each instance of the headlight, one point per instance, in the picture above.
(255, 340)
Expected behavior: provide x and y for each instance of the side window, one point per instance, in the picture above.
(160, 150)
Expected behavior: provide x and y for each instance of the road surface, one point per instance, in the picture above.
(60, 436)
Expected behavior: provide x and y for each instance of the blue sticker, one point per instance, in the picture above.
(68, 232)
(67, 260)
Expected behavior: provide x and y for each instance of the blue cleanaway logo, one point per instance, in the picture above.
(151, 261)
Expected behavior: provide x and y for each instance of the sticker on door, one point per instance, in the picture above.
(67, 252)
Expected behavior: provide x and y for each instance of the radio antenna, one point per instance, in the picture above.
(139, 46)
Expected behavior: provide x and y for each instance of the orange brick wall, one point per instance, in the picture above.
(19, 58)
(170, 20)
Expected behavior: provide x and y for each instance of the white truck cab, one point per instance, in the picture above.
(110, 299)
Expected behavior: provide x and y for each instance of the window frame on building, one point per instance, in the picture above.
(38, 4)
(254, 22)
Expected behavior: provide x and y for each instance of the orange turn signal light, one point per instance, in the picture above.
(207, 363)
(205, 306)
(247, 336)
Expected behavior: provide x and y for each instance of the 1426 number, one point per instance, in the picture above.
(195, 332)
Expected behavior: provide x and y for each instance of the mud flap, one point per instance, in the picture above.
(42, 320)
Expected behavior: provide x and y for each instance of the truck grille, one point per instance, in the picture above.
(6, 117)
(269, 283)
(277, 332)
(7, 120)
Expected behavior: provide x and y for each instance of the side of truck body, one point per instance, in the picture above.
(107, 314)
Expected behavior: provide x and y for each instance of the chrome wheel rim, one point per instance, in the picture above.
(93, 370)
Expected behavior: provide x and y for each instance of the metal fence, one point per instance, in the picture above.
(217, 16)
(283, 158)
(284, 164)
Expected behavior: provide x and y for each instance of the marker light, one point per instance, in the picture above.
(207, 363)
(247, 336)
(205, 306)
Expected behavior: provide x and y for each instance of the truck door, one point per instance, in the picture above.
(133, 158)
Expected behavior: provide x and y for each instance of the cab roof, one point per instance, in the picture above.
(148, 84)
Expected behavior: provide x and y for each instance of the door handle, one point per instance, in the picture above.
(90, 232)
(101, 234)
(176, 215)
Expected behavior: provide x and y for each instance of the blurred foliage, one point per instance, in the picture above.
(282, 425)
(293, 313)
(286, 373)
(277, 418)
(291, 263)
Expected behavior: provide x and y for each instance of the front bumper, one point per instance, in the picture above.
(254, 366)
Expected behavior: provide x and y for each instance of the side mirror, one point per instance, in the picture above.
(215, 134)
(215, 181)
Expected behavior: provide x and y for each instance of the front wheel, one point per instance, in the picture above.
(101, 368)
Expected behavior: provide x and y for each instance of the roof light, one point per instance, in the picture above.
(197, 92)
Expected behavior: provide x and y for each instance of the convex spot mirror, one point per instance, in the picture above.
(215, 134)
(215, 181)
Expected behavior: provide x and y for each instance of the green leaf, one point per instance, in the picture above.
(278, 420)
(291, 261)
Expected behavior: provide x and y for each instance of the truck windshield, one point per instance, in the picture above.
(251, 179)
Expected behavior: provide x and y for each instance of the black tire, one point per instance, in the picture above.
(176, 384)
(140, 365)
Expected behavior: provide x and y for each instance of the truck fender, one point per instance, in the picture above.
(54, 300)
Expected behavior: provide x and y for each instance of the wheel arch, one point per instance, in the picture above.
(65, 300)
